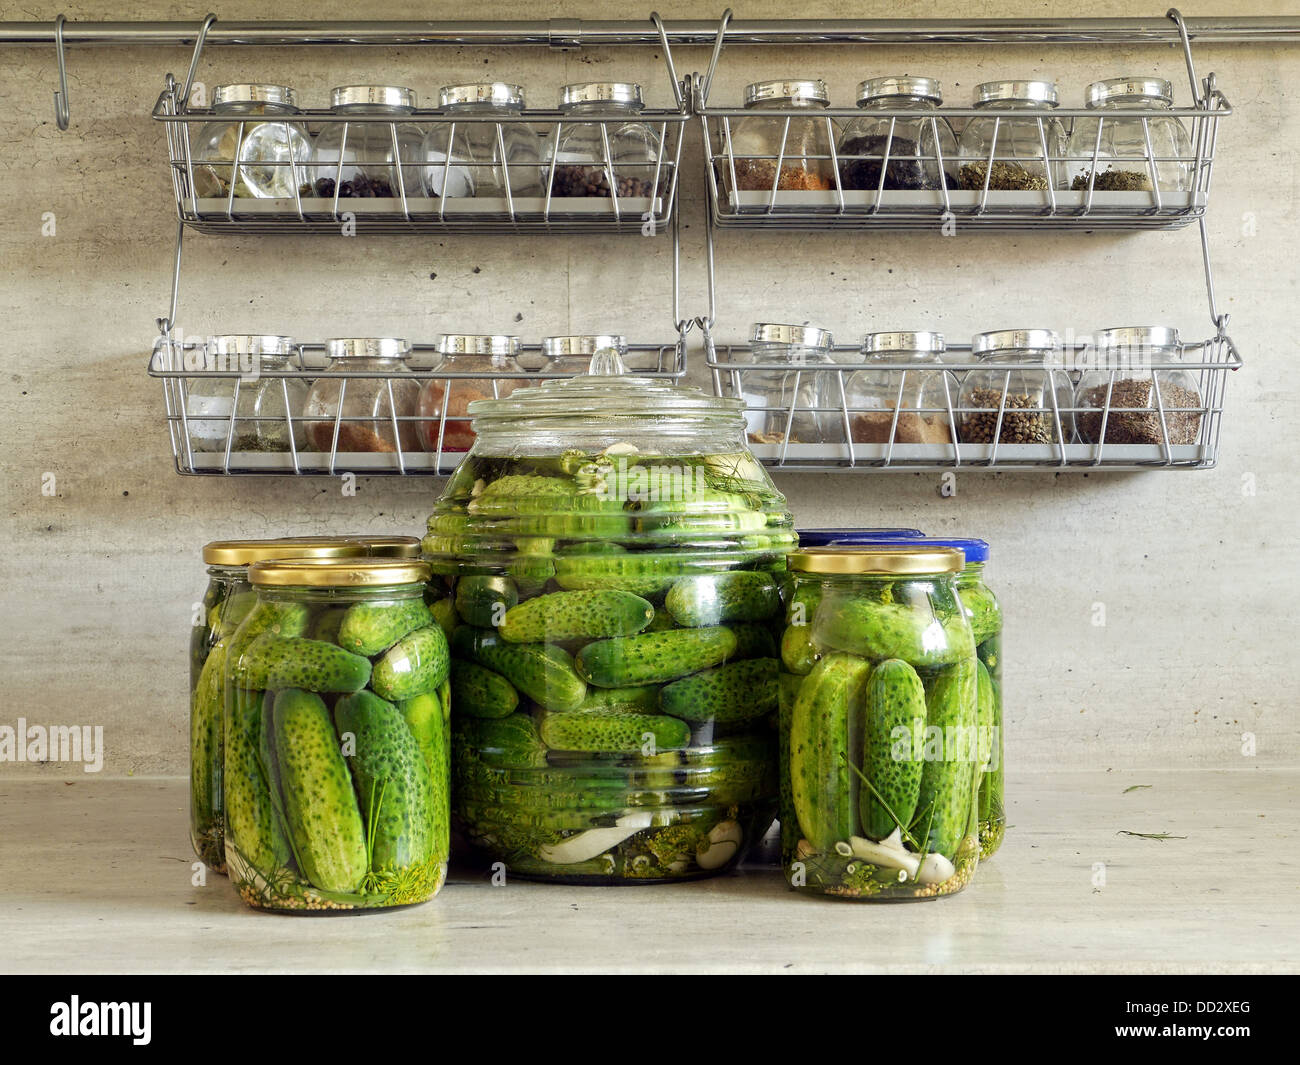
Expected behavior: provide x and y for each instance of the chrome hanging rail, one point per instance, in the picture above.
(578, 33)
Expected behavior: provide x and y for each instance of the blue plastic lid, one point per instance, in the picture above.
(976, 551)
(823, 537)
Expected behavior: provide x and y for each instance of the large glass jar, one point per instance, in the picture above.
(1026, 153)
(261, 416)
(916, 146)
(274, 155)
(369, 159)
(1125, 395)
(802, 142)
(226, 602)
(365, 406)
(572, 354)
(446, 402)
(337, 721)
(1129, 147)
(909, 406)
(801, 398)
(484, 156)
(609, 552)
(582, 163)
(1018, 396)
(879, 724)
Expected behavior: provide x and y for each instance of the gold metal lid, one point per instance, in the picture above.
(391, 546)
(338, 572)
(889, 561)
(246, 552)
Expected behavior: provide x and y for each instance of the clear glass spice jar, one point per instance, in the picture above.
(1133, 402)
(365, 407)
(274, 155)
(801, 398)
(607, 558)
(227, 600)
(484, 157)
(922, 150)
(909, 406)
(1129, 148)
(1026, 153)
(801, 142)
(369, 159)
(879, 737)
(446, 402)
(262, 406)
(337, 725)
(572, 354)
(1022, 394)
(582, 163)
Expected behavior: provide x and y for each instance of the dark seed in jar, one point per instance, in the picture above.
(1021, 424)
(906, 169)
(1140, 425)
(592, 181)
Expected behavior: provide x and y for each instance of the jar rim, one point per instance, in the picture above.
(497, 93)
(246, 552)
(899, 85)
(1139, 87)
(1037, 92)
(795, 90)
(999, 341)
(892, 342)
(878, 560)
(367, 348)
(601, 92)
(810, 336)
(379, 97)
(251, 93)
(338, 572)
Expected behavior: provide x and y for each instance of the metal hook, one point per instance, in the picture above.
(707, 83)
(668, 58)
(1186, 40)
(202, 36)
(62, 116)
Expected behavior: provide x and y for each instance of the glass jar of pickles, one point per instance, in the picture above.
(365, 413)
(1129, 144)
(369, 159)
(1019, 395)
(255, 131)
(788, 396)
(800, 143)
(878, 724)
(445, 402)
(607, 560)
(1014, 153)
(337, 730)
(906, 406)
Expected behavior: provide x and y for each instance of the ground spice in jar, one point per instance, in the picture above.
(352, 437)
(978, 426)
(1140, 425)
(1003, 177)
(593, 181)
(903, 172)
(757, 175)
(1114, 181)
(873, 428)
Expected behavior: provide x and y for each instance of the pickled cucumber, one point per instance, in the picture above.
(742, 595)
(480, 692)
(543, 672)
(753, 641)
(641, 573)
(948, 777)
(276, 662)
(644, 698)
(879, 630)
(892, 748)
(531, 505)
(739, 691)
(417, 663)
(443, 612)
(654, 657)
(251, 822)
(798, 651)
(427, 719)
(484, 601)
(577, 615)
(506, 742)
(368, 628)
(612, 729)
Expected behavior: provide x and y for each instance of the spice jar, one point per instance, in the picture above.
(1130, 146)
(879, 738)
(911, 406)
(446, 402)
(607, 557)
(1026, 153)
(588, 152)
(337, 727)
(369, 159)
(1126, 396)
(915, 146)
(572, 354)
(806, 401)
(801, 144)
(274, 155)
(484, 156)
(1017, 395)
(227, 601)
(364, 408)
(261, 406)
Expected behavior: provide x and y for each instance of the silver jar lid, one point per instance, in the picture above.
(797, 90)
(495, 93)
(367, 348)
(581, 344)
(899, 85)
(477, 344)
(243, 344)
(601, 92)
(1100, 93)
(892, 343)
(804, 336)
(1014, 340)
(377, 96)
(255, 94)
(1035, 92)
(1138, 337)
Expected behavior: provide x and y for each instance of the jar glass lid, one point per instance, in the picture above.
(899, 85)
(999, 340)
(895, 343)
(882, 560)
(601, 92)
(255, 94)
(582, 344)
(496, 93)
(1137, 337)
(1037, 92)
(245, 552)
(367, 348)
(380, 97)
(338, 572)
(796, 90)
(807, 336)
(477, 344)
(1099, 93)
(239, 344)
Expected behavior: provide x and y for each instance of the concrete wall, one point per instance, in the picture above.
(1198, 572)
